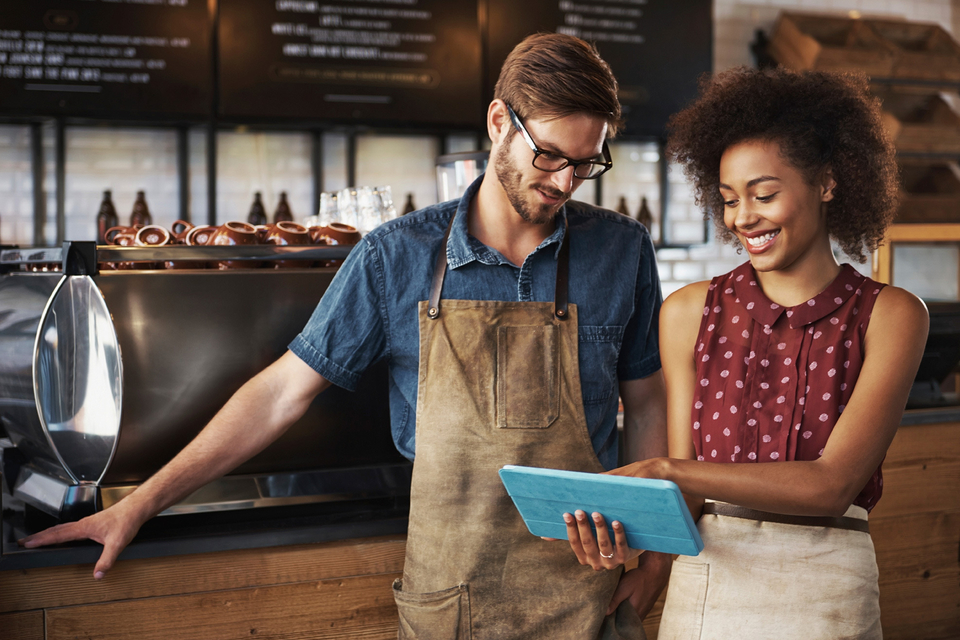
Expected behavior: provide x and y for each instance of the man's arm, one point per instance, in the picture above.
(257, 414)
(644, 418)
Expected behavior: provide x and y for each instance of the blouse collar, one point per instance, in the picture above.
(766, 312)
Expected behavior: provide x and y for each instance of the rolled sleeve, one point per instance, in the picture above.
(346, 333)
(640, 352)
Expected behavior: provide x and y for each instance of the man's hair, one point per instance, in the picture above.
(819, 120)
(551, 75)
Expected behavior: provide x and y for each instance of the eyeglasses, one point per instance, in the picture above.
(547, 161)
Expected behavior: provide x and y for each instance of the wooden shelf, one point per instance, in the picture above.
(883, 257)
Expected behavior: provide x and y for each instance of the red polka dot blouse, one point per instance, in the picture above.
(772, 380)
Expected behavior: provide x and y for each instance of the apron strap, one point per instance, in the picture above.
(433, 308)
(560, 294)
(563, 277)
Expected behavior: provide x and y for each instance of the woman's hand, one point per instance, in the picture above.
(597, 551)
(655, 468)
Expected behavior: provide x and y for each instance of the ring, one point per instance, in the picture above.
(607, 557)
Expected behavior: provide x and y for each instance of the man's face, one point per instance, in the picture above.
(538, 195)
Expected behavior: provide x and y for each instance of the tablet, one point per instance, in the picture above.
(653, 512)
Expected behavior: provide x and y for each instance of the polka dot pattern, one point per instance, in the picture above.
(774, 380)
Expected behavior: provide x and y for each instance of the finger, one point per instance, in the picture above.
(620, 534)
(589, 543)
(573, 535)
(107, 559)
(54, 535)
(627, 470)
(605, 546)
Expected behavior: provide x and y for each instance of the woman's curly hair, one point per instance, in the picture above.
(819, 120)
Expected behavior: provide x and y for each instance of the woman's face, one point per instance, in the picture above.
(771, 208)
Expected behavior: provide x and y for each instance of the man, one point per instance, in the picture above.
(507, 319)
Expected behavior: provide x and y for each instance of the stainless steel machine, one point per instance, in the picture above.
(106, 375)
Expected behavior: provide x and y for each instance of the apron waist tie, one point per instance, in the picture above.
(734, 511)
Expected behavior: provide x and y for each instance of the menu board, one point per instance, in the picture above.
(105, 58)
(656, 48)
(376, 61)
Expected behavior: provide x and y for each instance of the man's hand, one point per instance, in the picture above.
(643, 585)
(114, 528)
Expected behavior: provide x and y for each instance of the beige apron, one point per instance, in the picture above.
(499, 384)
(762, 580)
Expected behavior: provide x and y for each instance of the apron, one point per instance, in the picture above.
(759, 580)
(499, 383)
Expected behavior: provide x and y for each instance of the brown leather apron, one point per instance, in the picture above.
(499, 384)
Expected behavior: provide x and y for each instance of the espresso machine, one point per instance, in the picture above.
(456, 171)
(107, 371)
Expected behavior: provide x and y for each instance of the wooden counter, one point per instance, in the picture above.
(328, 590)
(342, 589)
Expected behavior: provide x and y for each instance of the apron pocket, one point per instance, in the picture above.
(528, 377)
(439, 614)
(682, 617)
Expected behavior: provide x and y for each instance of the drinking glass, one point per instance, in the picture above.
(348, 207)
(386, 198)
(370, 209)
(329, 211)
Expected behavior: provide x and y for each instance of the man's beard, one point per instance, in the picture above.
(511, 179)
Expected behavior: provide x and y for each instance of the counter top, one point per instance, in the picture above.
(931, 415)
(208, 532)
(252, 528)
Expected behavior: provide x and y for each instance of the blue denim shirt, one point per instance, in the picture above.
(369, 311)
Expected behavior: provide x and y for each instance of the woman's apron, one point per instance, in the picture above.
(760, 579)
(499, 384)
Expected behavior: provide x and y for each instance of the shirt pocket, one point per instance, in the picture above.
(599, 352)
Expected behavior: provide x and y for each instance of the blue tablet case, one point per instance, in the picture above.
(653, 512)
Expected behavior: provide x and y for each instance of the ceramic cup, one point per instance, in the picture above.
(341, 232)
(180, 229)
(198, 236)
(335, 233)
(234, 233)
(152, 236)
(194, 236)
(285, 234)
(120, 237)
(262, 231)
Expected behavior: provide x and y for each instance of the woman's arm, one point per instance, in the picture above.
(680, 319)
(679, 325)
(893, 347)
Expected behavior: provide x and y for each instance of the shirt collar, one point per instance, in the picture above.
(766, 312)
(462, 248)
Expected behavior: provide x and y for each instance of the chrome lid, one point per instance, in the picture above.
(78, 379)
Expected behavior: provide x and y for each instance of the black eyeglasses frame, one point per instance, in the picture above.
(605, 165)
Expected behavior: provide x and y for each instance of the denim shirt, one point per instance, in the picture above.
(369, 311)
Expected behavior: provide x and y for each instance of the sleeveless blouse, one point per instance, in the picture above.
(772, 380)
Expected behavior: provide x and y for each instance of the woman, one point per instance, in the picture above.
(787, 377)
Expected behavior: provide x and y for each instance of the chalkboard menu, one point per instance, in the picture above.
(656, 48)
(105, 58)
(402, 61)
